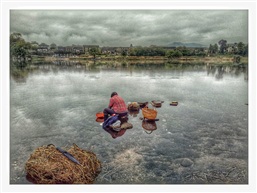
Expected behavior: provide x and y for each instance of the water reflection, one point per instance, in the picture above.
(20, 71)
(218, 71)
(149, 126)
(114, 133)
(115, 125)
(133, 113)
(205, 134)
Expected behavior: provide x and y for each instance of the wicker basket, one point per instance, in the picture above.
(134, 106)
(99, 115)
(157, 103)
(142, 105)
(149, 113)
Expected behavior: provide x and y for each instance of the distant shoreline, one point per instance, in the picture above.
(211, 59)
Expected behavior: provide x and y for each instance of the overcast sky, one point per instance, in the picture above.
(122, 28)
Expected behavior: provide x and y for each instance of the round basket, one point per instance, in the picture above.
(48, 165)
(174, 103)
(149, 113)
(134, 106)
(157, 103)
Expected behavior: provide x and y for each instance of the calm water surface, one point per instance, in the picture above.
(203, 140)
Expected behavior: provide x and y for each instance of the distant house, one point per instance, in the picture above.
(68, 49)
(77, 49)
(109, 50)
(43, 48)
(232, 48)
(114, 50)
(61, 49)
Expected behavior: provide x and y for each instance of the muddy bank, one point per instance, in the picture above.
(209, 59)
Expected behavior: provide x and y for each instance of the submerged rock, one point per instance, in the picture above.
(186, 162)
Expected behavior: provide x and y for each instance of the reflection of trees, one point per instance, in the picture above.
(19, 71)
(219, 70)
(66, 65)
(246, 73)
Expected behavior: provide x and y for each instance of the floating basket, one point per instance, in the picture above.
(142, 104)
(149, 113)
(174, 103)
(48, 165)
(157, 103)
(99, 115)
(134, 106)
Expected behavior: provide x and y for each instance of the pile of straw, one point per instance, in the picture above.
(47, 165)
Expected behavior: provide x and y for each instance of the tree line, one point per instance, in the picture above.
(20, 49)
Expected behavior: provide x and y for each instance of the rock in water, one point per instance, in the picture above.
(186, 162)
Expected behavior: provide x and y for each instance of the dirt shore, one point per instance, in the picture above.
(211, 59)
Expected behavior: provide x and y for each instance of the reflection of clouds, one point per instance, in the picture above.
(124, 168)
(127, 158)
(60, 108)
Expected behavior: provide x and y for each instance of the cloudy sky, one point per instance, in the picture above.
(137, 27)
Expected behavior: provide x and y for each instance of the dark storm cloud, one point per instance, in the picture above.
(139, 27)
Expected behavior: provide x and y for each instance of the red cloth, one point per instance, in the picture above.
(117, 104)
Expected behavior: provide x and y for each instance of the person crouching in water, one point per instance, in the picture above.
(116, 106)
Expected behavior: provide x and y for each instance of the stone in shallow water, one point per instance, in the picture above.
(186, 162)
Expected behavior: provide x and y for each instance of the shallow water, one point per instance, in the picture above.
(203, 140)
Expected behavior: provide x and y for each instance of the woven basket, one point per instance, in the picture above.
(149, 113)
(99, 115)
(134, 106)
(157, 103)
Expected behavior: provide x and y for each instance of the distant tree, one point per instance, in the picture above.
(132, 52)
(177, 54)
(34, 45)
(124, 53)
(94, 51)
(245, 50)
(15, 37)
(223, 46)
(200, 52)
(185, 51)
(18, 46)
(215, 48)
(173, 54)
(147, 51)
(169, 53)
(211, 49)
(240, 48)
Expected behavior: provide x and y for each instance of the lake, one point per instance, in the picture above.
(203, 140)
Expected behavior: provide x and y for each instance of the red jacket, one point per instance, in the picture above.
(117, 104)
